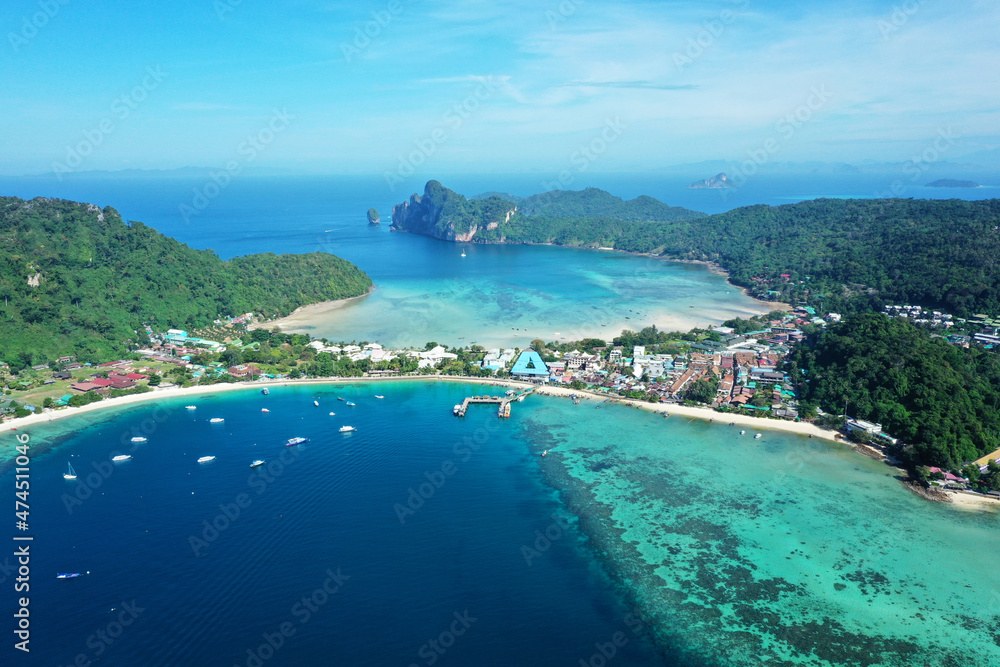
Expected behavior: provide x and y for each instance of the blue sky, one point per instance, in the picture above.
(506, 86)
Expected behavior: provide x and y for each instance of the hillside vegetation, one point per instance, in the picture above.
(76, 279)
(936, 253)
(943, 398)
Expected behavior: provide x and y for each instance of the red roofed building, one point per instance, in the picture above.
(84, 386)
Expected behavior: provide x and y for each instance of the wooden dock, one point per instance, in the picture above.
(503, 403)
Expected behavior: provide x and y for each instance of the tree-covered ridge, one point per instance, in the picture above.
(595, 203)
(940, 253)
(942, 398)
(76, 279)
(550, 217)
(935, 253)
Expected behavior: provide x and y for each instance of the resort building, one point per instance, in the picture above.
(530, 366)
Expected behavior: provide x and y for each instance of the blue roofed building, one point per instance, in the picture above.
(529, 366)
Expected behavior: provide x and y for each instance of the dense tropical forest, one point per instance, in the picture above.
(935, 253)
(76, 279)
(501, 217)
(942, 398)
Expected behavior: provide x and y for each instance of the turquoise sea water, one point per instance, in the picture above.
(781, 550)
(680, 540)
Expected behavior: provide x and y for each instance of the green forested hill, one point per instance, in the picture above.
(561, 216)
(939, 253)
(76, 279)
(943, 399)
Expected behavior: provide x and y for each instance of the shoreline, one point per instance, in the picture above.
(957, 499)
(303, 315)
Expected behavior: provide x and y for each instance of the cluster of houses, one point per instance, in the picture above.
(375, 353)
(988, 334)
(918, 315)
(746, 367)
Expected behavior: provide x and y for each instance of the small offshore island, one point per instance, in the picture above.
(952, 183)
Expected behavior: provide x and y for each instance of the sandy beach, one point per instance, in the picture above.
(754, 424)
(305, 316)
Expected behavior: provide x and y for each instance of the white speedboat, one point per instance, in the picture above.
(120, 458)
(347, 429)
(216, 420)
(257, 463)
(190, 407)
(264, 410)
(379, 396)
(138, 438)
(349, 403)
(742, 432)
(70, 473)
(756, 436)
(206, 459)
(332, 413)
(316, 403)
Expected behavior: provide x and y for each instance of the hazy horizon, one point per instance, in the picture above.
(407, 88)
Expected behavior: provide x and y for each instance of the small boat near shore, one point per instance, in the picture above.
(347, 429)
(216, 420)
(190, 407)
(70, 473)
(69, 575)
(379, 396)
(295, 441)
(350, 403)
(121, 457)
(206, 459)
(138, 438)
(756, 436)
(265, 391)
(316, 403)
(257, 463)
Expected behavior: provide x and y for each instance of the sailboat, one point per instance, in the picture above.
(70, 473)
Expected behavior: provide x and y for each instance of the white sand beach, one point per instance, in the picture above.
(680, 411)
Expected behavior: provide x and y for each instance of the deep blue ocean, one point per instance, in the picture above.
(412, 539)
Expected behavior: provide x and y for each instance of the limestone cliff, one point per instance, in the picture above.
(447, 215)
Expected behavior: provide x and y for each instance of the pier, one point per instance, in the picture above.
(502, 401)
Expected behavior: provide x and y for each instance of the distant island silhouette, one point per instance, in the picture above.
(952, 183)
(718, 181)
